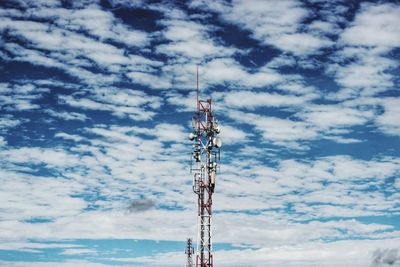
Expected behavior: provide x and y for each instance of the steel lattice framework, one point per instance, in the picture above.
(189, 252)
(206, 154)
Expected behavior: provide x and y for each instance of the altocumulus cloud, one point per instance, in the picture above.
(96, 99)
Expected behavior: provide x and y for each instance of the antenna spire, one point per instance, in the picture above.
(197, 86)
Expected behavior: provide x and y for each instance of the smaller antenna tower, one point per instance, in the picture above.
(189, 252)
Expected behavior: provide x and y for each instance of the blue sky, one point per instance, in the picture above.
(96, 99)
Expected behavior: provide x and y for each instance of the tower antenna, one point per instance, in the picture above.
(206, 154)
(197, 86)
(189, 252)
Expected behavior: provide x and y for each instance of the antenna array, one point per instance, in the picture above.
(206, 154)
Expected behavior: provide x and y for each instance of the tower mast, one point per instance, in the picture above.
(206, 153)
(189, 252)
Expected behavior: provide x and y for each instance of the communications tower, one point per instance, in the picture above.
(189, 252)
(206, 154)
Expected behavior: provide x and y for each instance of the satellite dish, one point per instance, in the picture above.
(217, 142)
(191, 136)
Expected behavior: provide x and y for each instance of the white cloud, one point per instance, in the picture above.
(355, 253)
(90, 19)
(70, 263)
(61, 61)
(29, 197)
(366, 75)
(67, 115)
(56, 39)
(40, 3)
(374, 25)
(127, 3)
(78, 251)
(3, 142)
(20, 97)
(276, 23)
(301, 43)
(156, 81)
(35, 155)
(362, 66)
(191, 40)
(73, 137)
(342, 140)
(381, 111)
(227, 70)
(250, 100)
(102, 24)
(282, 61)
(222, 71)
(164, 132)
(284, 132)
(183, 102)
(33, 246)
(134, 104)
(76, 41)
(7, 122)
(327, 116)
(389, 121)
(233, 135)
(324, 188)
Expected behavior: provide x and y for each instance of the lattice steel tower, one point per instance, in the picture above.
(189, 252)
(206, 154)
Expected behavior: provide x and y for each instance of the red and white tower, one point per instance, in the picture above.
(206, 154)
